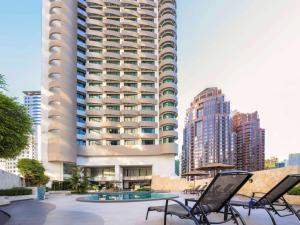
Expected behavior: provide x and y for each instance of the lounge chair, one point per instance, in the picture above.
(200, 190)
(4, 217)
(273, 201)
(214, 199)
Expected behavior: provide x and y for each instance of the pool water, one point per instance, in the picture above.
(126, 196)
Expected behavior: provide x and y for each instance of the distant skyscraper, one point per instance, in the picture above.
(250, 141)
(207, 136)
(294, 159)
(32, 102)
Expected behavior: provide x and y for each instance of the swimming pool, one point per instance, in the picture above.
(126, 197)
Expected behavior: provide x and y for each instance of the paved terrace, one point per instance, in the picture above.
(65, 210)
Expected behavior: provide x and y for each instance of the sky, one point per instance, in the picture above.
(248, 48)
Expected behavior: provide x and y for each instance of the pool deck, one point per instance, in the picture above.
(65, 210)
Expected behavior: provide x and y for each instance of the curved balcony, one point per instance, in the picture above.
(130, 66)
(109, 112)
(129, 55)
(129, 78)
(130, 136)
(130, 2)
(112, 33)
(147, 78)
(147, 23)
(168, 85)
(130, 112)
(147, 13)
(129, 44)
(111, 101)
(129, 33)
(130, 124)
(166, 62)
(167, 6)
(90, 11)
(167, 39)
(148, 113)
(95, 44)
(148, 56)
(111, 89)
(129, 89)
(167, 74)
(95, 2)
(113, 2)
(91, 112)
(168, 109)
(148, 124)
(111, 22)
(111, 66)
(112, 55)
(167, 28)
(93, 124)
(56, 43)
(149, 136)
(112, 11)
(167, 17)
(110, 78)
(145, 66)
(167, 97)
(148, 2)
(111, 44)
(55, 111)
(148, 101)
(147, 44)
(129, 22)
(130, 101)
(94, 101)
(110, 124)
(167, 50)
(54, 84)
(91, 77)
(164, 122)
(129, 12)
(148, 34)
(55, 125)
(93, 66)
(94, 22)
(96, 33)
(169, 133)
(148, 90)
(96, 55)
(95, 89)
(55, 97)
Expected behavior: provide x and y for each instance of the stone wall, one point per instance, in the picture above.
(9, 180)
(261, 181)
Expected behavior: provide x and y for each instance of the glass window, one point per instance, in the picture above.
(148, 142)
(148, 130)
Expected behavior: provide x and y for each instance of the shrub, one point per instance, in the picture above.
(15, 191)
(295, 191)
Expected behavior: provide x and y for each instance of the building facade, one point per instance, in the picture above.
(250, 141)
(32, 102)
(207, 136)
(109, 88)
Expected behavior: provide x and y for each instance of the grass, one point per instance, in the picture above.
(295, 190)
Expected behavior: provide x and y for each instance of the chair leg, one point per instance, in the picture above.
(165, 218)
(270, 214)
(239, 215)
(147, 213)
(249, 211)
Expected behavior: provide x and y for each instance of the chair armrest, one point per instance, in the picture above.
(187, 200)
(246, 196)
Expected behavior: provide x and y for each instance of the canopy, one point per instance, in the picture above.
(215, 167)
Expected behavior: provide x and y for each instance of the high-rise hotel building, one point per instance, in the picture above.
(109, 88)
(208, 133)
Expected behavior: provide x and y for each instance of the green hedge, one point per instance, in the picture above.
(144, 189)
(15, 191)
(295, 191)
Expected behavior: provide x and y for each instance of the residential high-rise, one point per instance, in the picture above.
(294, 159)
(208, 132)
(32, 102)
(109, 88)
(250, 141)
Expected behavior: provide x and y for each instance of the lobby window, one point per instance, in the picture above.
(148, 142)
(148, 130)
(113, 142)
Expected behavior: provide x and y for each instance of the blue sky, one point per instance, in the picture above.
(248, 48)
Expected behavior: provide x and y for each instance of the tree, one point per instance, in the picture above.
(2, 82)
(79, 180)
(33, 172)
(15, 125)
